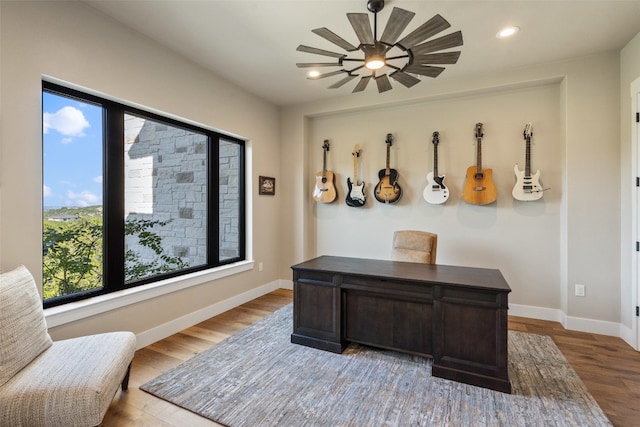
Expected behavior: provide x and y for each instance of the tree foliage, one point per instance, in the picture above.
(72, 254)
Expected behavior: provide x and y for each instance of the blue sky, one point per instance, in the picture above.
(72, 147)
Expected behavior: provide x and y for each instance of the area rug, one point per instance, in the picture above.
(258, 378)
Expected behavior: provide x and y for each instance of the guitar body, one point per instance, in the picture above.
(388, 190)
(435, 192)
(325, 190)
(355, 196)
(527, 188)
(479, 188)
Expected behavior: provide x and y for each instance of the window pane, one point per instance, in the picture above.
(165, 198)
(72, 196)
(229, 203)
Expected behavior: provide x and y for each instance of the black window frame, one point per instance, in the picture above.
(113, 188)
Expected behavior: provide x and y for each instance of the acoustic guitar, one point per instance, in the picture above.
(388, 190)
(479, 188)
(325, 190)
(355, 195)
(527, 186)
(435, 192)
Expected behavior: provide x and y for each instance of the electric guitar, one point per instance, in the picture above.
(355, 195)
(388, 190)
(527, 186)
(435, 192)
(479, 188)
(324, 191)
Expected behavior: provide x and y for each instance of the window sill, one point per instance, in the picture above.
(67, 313)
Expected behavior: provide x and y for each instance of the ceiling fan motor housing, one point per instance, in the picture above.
(375, 6)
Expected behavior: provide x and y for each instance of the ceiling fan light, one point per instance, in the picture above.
(312, 74)
(375, 62)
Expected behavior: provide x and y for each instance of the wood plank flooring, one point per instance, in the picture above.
(609, 367)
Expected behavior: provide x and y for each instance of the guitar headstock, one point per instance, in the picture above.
(528, 132)
(479, 131)
(435, 138)
(325, 146)
(389, 140)
(356, 151)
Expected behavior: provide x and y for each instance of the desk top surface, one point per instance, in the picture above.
(485, 278)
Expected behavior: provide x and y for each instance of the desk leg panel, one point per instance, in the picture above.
(317, 319)
(470, 341)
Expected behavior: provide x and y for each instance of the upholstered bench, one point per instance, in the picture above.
(63, 383)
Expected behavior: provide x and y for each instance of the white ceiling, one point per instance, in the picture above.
(253, 42)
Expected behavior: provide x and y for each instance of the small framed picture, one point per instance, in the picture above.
(267, 186)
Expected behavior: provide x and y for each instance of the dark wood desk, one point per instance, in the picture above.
(456, 315)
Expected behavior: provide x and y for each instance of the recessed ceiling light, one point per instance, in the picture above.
(507, 32)
(312, 74)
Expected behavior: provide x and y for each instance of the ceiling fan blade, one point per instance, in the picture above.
(362, 26)
(396, 24)
(362, 84)
(340, 83)
(329, 35)
(303, 48)
(332, 73)
(430, 28)
(383, 83)
(423, 70)
(405, 79)
(444, 42)
(317, 64)
(438, 58)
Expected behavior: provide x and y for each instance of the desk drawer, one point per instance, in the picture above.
(389, 287)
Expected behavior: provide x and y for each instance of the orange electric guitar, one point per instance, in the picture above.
(325, 190)
(479, 188)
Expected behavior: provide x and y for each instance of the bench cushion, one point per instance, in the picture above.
(71, 384)
(23, 330)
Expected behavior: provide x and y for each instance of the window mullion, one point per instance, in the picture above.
(113, 190)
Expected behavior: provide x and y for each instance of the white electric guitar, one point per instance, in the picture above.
(527, 186)
(355, 196)
(435, 192)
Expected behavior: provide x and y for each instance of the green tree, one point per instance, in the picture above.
(72, 256)
(134, 267)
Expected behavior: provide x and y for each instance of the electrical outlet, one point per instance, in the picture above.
(580, 291)
(260, 266)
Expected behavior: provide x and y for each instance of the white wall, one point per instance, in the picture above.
(629, 71)
(574, 105)
(72, 42)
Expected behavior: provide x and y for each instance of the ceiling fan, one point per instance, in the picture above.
(404, 59)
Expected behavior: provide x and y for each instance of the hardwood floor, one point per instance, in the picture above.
(609, 367)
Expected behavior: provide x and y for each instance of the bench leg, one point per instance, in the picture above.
(125, 381)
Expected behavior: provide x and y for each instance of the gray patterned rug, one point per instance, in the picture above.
(258, 378)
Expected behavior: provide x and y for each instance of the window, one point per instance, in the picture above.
(131, 197)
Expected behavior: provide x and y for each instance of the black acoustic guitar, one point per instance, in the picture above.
(388, 190)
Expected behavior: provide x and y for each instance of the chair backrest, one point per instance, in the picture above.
(414, 246)
(23, 329)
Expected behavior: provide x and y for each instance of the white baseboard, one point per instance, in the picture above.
(532, 312)
(167, 329)
(580, 324)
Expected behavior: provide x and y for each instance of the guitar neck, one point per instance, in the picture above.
(435, 160)
(355, 168)
(324, 164)
(388, 170)
(479, 155)
(527, 164)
